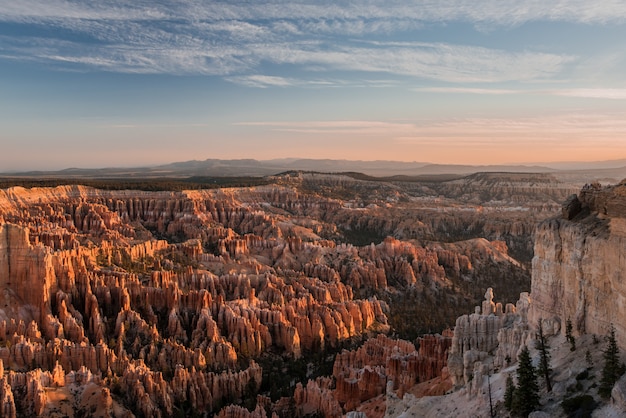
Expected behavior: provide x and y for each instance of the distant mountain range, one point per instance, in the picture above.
(259, 168)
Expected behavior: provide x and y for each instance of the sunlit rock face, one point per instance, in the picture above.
(488, 339)
(579, 269)
(577, 275)
(160, 303)
(363, 374)
(89, 296)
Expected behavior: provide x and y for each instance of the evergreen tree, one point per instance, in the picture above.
(526, 397)
(588, 358)
(613, 369)
(568, 335)
(509, 393)
(544, 363)
(492, 413)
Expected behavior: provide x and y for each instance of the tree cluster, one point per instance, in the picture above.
(568, 335)
(544, 362)
(613, 369)
(522, 399)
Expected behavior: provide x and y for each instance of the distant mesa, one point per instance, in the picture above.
(615, 169)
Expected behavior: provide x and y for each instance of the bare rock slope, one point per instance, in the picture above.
(578, 275)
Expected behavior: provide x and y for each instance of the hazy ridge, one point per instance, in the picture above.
(614, 169)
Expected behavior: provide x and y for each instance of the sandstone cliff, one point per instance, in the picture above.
(578, 275)
(579, 265)
(487, 340)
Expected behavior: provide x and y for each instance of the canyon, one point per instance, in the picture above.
(312, 294)
(576, 277)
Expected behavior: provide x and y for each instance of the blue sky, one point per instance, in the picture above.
(121, 83)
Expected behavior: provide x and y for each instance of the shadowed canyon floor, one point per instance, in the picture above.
(294, 297)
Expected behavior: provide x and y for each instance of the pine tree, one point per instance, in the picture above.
(568, 335)
(544, 363)
(613, 369)
(492, 413)
(509, 393)
(588, 358)
(526, 396)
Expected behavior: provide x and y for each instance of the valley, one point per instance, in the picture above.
(299, 294)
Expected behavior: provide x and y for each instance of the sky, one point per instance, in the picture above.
(133, 83)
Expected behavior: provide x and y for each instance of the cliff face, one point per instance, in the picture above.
(579, 269)
(543, 189)
(383, 364)
(579, 273)
(486, 340)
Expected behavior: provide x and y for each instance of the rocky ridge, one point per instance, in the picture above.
(164, 303)
(577, 275)
(85, 288)
(579, 264)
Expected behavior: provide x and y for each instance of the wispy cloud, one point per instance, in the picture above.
(577, 136)
(466, 90)
(189, 55)
(595, 93)
(502, 12)
(587, 127)
(575, 125)
(454, 63)
(590, 93)
(263, 81)
(155, 126)
(236, 39)
(342, 127)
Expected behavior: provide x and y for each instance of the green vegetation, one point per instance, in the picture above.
(414, 312)
(544, 363)
(430, 178)
(145, 184)
(185, 410)
(584, 375)
(509, 393)
(361, 237)
(579, 406)
(526, 394)
(282, 373)
(399, 178)
(568, 335)
(613, 369)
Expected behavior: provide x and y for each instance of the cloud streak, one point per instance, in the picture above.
(237, 39)
(572, 125)
(341, 127)
(329, 14)
(467, 90)
(576, 136)
(444, 62)
(264, 81)
(613, 94)
(588, 93)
